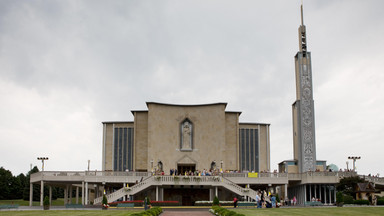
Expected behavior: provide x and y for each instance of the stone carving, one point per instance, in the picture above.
(186, 135)
(307, 119)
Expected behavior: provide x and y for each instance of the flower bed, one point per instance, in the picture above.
(210, 203)
(139, 203)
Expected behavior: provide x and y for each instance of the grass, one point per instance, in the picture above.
(314, 211)
(57, 202)
(70, 212)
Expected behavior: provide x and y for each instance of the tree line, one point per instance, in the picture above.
(17, 187)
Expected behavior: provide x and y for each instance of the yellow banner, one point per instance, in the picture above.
(253, 175)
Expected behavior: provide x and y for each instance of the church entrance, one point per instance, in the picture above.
(182, 168)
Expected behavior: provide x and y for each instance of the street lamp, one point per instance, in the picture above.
(151, 165)
(221, 162)
(42, 162)
(354, 158)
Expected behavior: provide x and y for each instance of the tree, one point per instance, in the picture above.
(36, 188)
(6, 179)
(347, 185)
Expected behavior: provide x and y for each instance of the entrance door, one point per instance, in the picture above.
(182, 168)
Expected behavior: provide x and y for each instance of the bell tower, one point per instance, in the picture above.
(303, 112)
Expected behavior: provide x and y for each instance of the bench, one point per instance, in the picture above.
(125, 205)
(313, 203)
(247, 204)
(74, 206)
(9, 206)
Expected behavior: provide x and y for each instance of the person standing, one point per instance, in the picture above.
(235, 202)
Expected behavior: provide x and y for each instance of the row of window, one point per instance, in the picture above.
(249, 149)
(123, 149)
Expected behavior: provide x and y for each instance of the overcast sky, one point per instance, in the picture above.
(66, 66)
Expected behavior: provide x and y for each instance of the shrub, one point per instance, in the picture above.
(105, 201)
(217, 210)
(216, 201)
(348, 199)
(339, 197)
(46, 201)
(155, 211)
(361, 202)
(277, 198)
(380, 201)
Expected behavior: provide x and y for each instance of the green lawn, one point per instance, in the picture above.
(58, 202)
(314, 211)
(70, 212)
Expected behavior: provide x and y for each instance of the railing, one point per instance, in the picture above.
(89, 173)
(260, 175)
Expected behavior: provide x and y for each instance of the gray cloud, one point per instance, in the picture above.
(68, 65)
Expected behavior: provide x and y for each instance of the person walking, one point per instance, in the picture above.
(235, 202)
(258, 200)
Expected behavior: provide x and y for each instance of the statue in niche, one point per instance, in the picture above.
(186, 133)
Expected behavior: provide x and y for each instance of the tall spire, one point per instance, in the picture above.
(303, 109)
(302, 17)
(302, 34)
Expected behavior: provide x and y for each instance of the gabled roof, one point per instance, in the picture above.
(365, 187)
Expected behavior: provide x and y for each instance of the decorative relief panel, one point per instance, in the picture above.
(307, 119)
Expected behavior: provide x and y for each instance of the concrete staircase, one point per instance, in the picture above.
(214, 181)
(126, 191)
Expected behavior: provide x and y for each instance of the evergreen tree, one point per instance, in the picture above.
(36, 188)
(6, 180)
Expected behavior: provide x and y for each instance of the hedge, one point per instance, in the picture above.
(348, 199)
(217, 210)
(380, 201)
(361, 202)
(155, 211)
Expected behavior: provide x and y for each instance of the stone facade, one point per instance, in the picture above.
(200, 136)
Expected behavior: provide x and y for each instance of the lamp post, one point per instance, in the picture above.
(221, 164)
(42, 162)
(354, 158)
(151, 165)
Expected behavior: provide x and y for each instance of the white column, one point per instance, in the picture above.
(334, 193)
(330, 194)
(86, 193)
(30, 194)
(161, 194)
(325, 194)
(157, 193)
(210, 194)
(305, 193)
(315, 191)
(82, 193)
(310, 192)
(77, 195)
(66, 195)
(216, 192)
(70, 194)
(285, 191)
(41, 193)
(320, 194)
(50, 195)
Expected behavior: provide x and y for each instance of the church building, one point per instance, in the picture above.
(185, 138)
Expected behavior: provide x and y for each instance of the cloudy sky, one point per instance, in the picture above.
(66, 66)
